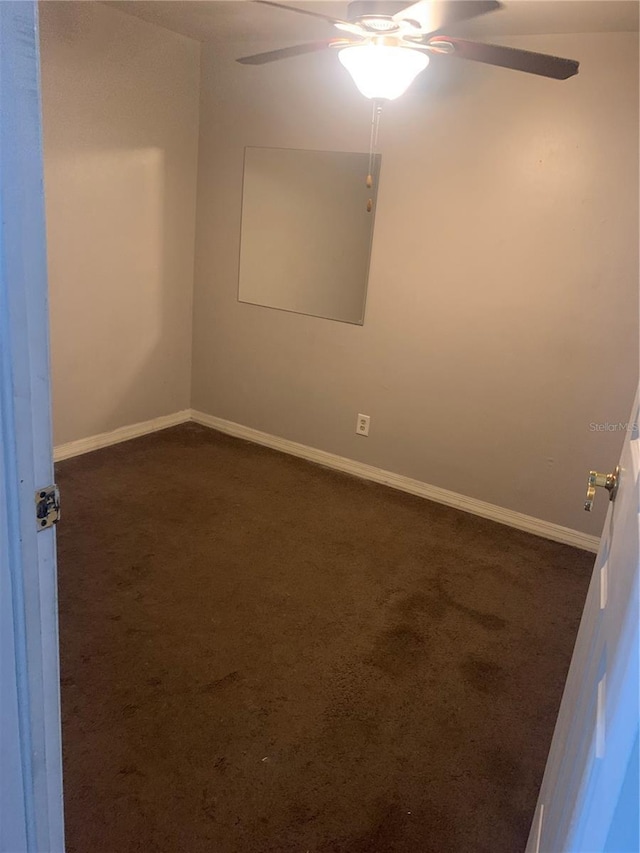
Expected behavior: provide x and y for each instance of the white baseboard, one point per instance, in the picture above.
(528, 523)
(105, 439)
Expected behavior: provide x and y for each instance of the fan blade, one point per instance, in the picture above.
(439, 14)
(303, 12)
(511, 57)
(285, 52)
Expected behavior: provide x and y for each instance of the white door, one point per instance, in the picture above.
(30, 755)
(588, 801)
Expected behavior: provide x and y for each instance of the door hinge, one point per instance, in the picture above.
(47, 506)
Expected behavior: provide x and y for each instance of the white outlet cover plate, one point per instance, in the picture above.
(362, 424)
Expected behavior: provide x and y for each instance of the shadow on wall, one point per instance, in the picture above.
(120, 123)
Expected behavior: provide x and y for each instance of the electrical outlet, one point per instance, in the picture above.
(362, 424)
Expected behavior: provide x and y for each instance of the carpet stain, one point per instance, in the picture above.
(483, 675)
(398, 649)
(505, 764)
(443, 602)
(419, 604)
(130, 770)
(207, 805)
(220, 683)
(487, 620)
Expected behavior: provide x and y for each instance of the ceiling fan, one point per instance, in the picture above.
(385, 52)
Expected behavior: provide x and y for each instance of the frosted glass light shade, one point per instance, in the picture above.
(382, 71)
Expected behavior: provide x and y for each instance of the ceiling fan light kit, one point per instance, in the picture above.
(380, 71)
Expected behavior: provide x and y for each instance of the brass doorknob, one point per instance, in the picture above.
(606, 481)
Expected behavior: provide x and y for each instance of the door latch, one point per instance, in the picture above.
(47, 506)
(606, 481)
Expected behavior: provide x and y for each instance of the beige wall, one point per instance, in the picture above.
(501, 317)
(120, 105)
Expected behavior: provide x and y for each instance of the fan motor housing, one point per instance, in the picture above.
(372, 9)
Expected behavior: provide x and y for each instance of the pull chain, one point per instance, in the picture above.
(376, 112)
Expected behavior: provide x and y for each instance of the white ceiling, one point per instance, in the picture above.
(242, 22)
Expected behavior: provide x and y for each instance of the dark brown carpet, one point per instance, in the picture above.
(260, 655)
